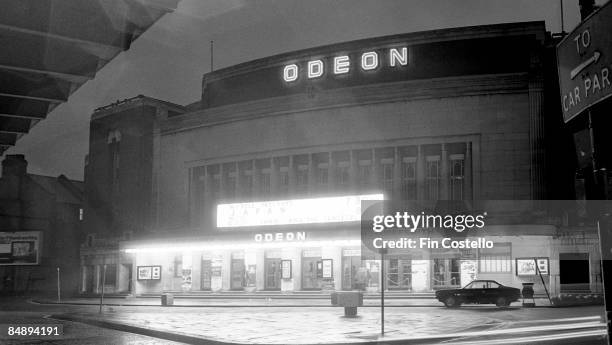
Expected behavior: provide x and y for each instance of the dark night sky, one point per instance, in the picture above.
(167, 61)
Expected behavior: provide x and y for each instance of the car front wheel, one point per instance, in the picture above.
(502, 302)
(451, 302)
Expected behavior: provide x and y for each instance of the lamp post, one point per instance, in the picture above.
(102, 294)
(59, 296)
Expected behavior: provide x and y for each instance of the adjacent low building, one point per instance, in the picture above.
(40, 230)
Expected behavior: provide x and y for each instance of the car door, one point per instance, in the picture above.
(477, 292)
(492, 292)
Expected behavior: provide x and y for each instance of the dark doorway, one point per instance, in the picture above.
(237, 274)
(273, 274)
(310, 279)
(205, 274)
(574, 272)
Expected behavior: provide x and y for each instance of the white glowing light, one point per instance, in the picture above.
(341, 64)
(208, 247)
(396, 56)
(315, 68)
(297, 211)
(369, 61)
(290, 72)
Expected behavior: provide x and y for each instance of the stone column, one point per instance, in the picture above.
(353, 171)
(239, 187)
(222, 181)
(255, 176)
(374, 172)
(274, 172)
(397, 174)
(292, 175)
(209, 203)
(536, 135)
(312, 177)
(420, 173)
(331, 172)
(469, 193)
(444, 173)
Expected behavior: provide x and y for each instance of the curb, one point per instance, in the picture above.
(181, 338)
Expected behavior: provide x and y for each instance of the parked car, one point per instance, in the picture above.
(479, 292)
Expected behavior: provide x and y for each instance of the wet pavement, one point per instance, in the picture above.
(302, 322)
(279, 325)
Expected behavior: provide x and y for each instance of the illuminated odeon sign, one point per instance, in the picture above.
(342, 64)
(296, 211)
(281, 236)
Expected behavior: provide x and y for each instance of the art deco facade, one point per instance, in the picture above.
(456, 114)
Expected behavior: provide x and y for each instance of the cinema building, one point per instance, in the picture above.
(257, 185)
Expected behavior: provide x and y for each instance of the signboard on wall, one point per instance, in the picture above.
(327, 268)
(148, 272)
(296, 211)
(584, 62)
(527, 266)
(20, 248)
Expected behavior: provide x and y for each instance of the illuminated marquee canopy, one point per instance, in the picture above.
(297, 211)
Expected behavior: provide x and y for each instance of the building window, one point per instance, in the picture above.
(387, 175)
(432, 179)
(365, 173)
(457, 176)
(283, 180)
(342, 175)
(230, 185)
(265, 181)
(497, 259)
(80, 213)
(246, 183)
(409, 191)
(322, 175)
(197, 188)
(216, 186)
(302, 178)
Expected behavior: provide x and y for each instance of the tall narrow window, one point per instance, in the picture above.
(283, 180)
(365, 174)
(342, 175)
(197, 185)
(457, 176)
(230, 184)
(322, 175)
(432, 181)
(265, 181)
(246, 182)
(387, 175)
(409, 178)
(302, 178)
(215, 187)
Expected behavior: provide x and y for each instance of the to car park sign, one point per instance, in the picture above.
(585, 63)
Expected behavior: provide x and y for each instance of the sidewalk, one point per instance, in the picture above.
(321, 325)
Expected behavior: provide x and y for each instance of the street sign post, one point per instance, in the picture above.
(584, 63)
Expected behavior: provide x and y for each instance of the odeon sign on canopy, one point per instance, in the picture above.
(342, 64)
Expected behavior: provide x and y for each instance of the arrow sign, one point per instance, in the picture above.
(585, 64)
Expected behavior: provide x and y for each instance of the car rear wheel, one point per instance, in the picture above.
(451, 302)
(502, 302)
